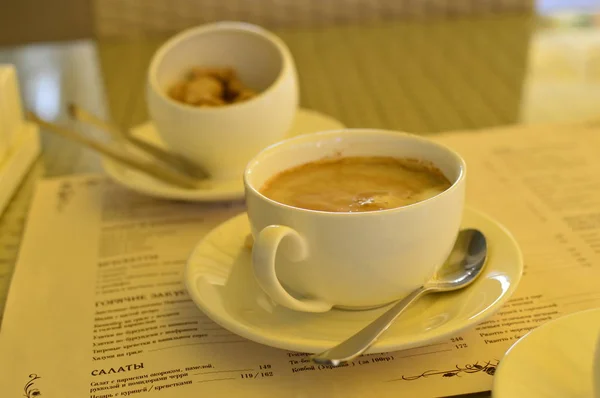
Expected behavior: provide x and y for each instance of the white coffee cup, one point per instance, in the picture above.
(223, 139)
(311, 261)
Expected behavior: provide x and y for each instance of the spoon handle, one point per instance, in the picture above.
(358, 343)
(173, 160)
(164, 174)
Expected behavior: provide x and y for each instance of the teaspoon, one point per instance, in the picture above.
(463, 266)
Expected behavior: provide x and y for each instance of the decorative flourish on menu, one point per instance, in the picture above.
(30, 389)
(488, 367)
(66, 189)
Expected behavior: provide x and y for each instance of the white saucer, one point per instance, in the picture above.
(552, 361)
(219, 279)
(307, 121)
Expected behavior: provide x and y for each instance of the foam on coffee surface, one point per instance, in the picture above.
(356, 184)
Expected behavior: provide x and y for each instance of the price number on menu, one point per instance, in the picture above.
(256, 375)
(458, 342)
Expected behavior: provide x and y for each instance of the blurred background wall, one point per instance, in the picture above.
(138, 17)
(23, 21)
(50, 20)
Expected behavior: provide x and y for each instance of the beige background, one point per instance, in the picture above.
(23, 21)
(138, 17)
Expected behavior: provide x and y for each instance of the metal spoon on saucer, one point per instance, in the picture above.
(463, 266)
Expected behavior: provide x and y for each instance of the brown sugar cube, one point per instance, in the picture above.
(224, 74)
(234, 88)
(197, 98)
(203, 88)
(211, 101)
(245, 95)
(207, 84)
(177, 91)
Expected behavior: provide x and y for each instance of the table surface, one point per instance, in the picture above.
(422, 77)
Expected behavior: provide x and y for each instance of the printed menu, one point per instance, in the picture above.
(97, 307)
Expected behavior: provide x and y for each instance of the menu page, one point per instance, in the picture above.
(97, 307)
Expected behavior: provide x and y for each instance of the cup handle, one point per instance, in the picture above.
(264, 251)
